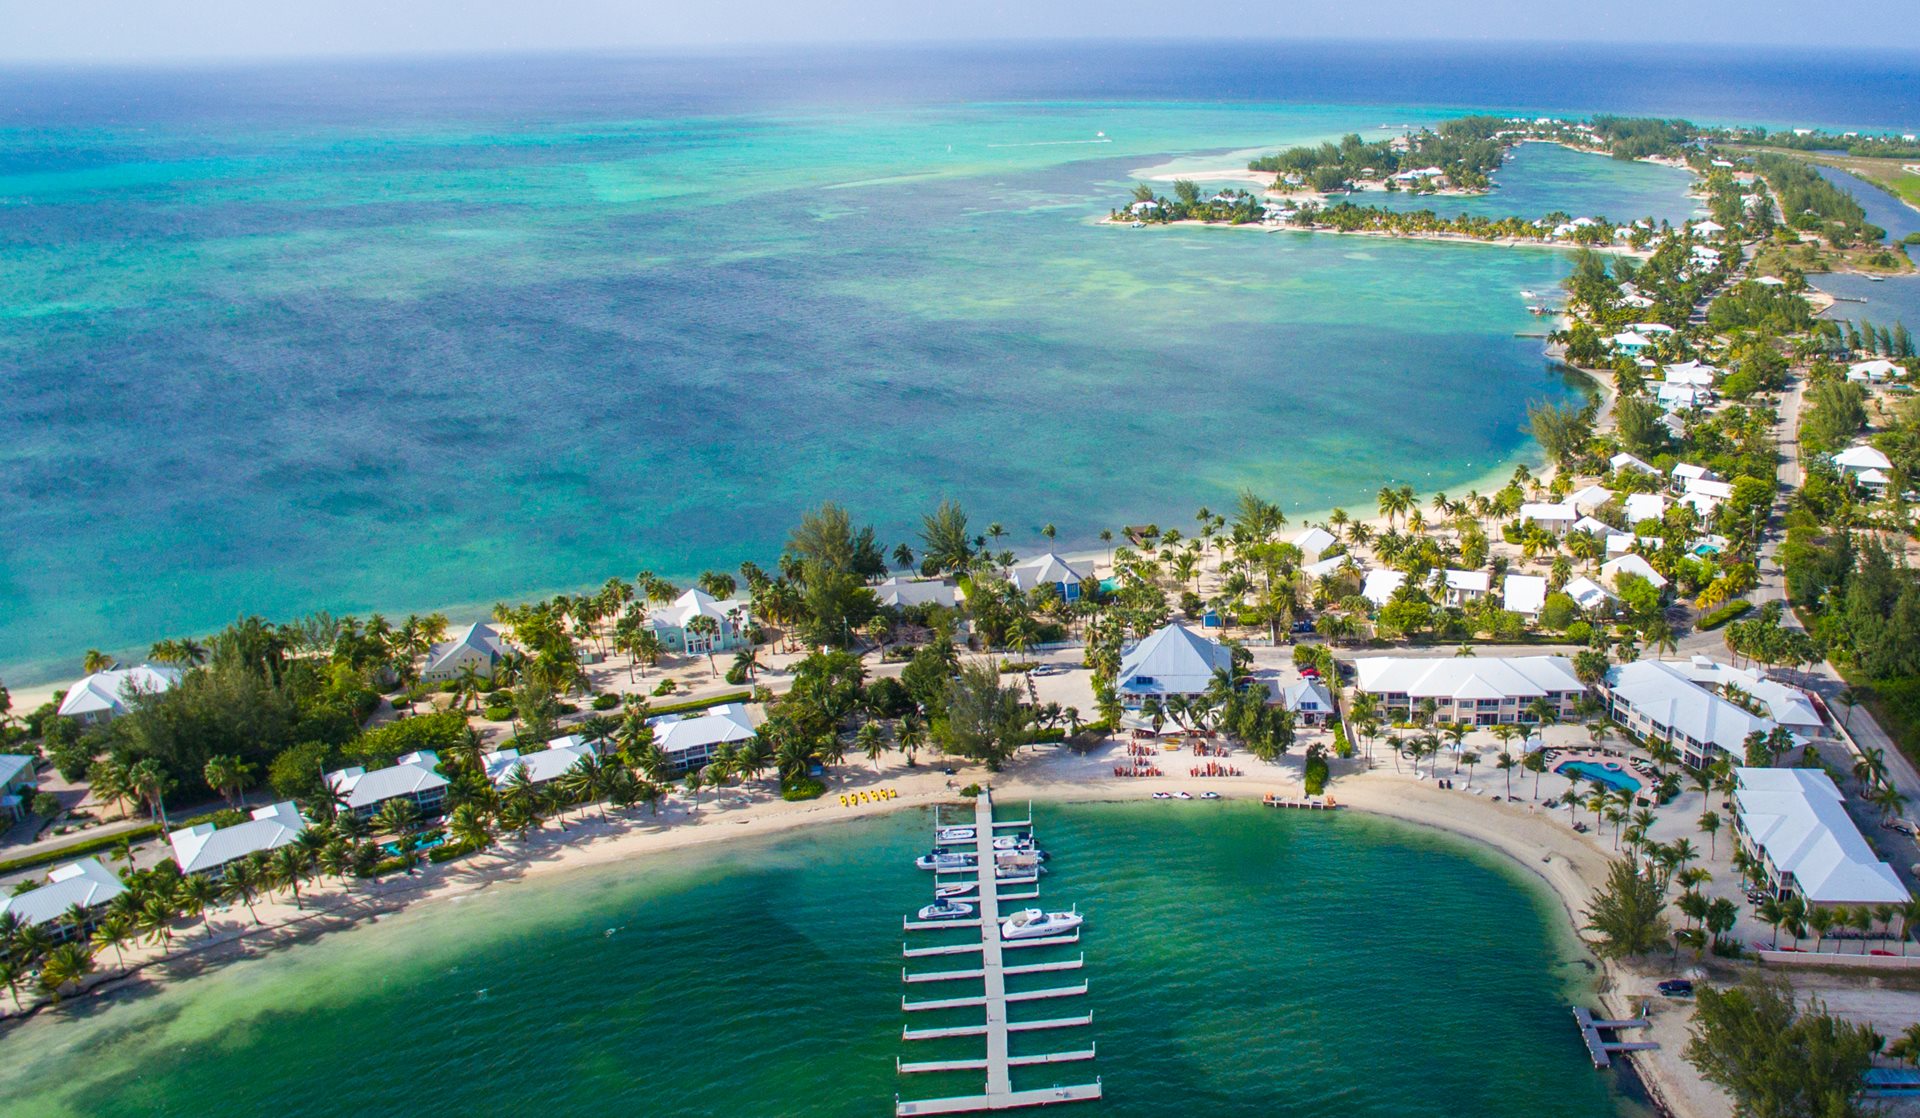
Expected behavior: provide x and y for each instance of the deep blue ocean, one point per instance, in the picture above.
(401, 335)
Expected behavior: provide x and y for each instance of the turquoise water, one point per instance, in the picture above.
(1613, 777)
(1539, 179)
(367, 339)
(1241, 962)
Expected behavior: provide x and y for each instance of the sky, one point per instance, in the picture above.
(136, 31)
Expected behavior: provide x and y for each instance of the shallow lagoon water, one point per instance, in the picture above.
(1240, 961)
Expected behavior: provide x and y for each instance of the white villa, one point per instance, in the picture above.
(479, 645)
(689, 741)
(1631, 564)
(1049, 569)
(104, 696)
(1173, 660)
(1313, 541)
(1874, 371)
(1475, 690)
(83, 884)
(1459, 587)
(899, 593)
(415, 777)
(203, 848)
(1309, 701)
(1659, 700)
(1625, 461)
(1380, 585)
(1586, 593)
(1793, 822)
(1866, 464)
(551, 763)
(1553, 517)
(1524, 594)
(1644, 506)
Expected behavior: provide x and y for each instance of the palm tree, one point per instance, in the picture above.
(468, 827)
(1534, 762)
(95, 661)
(228, 776)
(398, 817)
(197, 894)
(64, 965)
(1506, 764)
(151, 783)
(290, 868)
(1849, 698)
(113, 931)
(1710, 826)
(1821, 920)
(709, 629)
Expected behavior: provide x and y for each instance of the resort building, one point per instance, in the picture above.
(1524, 594)
(901, 593)
(1049, 569)
(480, 647)
(1174, 660)
(674, 624)
(204, 848)
(414, 777)
(1631, 564)
(557, 760)
(1309, 701)
(1474, 690)
(689, 741)
(1590, 498)
(17, 779)
(1658, 700)
(1787, 706)
(85, 884)
(104, 696)
(1794, 823)
(1313, 541)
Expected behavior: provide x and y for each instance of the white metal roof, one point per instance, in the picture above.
(1663, 692)
(1633, 565)
(1644, 506)
(204, 847)
(900, 592)
(412, 774)
(1862, 457)
(1796, 816)
(551, 763)
(1313, 541)
(1585, 592)
(112, 691)
(1549, 513)
(1625, 461)
(675, 733)
(1381, 584)
(1045, 568)
(478, 637)
(86, 883)
(1524, 594)
(1468, 677)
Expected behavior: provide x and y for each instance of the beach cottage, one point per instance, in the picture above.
(414, 777)
(204, 848)
(479, 646)
(104, 696)
(1524, 594)
(900, 593)
(1309, 701)
(1049, 569)
(1312, 542)
(1631, 564)
(1555, 518)
(1173, 660)
(561, 757)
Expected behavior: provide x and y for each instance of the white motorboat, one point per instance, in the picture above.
(1017, 873)
(948, 909)
(1013, 842)
(1163, 795)
(958, 889)
(1031, 922)
(946, 863)
(1183, 795)
(954, 834)
(1209, 795)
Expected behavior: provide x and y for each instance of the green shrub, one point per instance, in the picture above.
(664, 687)
(971, 791)
(500, 698)
(1725, 614)
(1008, 667)
(702, 704)
(606, 702)
(803, 788)
(450, 851)
(497, 714)
(1315, 777)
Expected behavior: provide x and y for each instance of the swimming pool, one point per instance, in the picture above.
(1590, 771)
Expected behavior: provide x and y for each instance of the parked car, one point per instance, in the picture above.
(1677, 988)
(1302, 627)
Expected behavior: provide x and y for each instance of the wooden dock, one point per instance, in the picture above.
(1601, 1049)
(998, 1062)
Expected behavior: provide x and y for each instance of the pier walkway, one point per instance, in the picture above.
(992, 972)
(1601, 1049)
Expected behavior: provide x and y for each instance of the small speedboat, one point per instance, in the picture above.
(1013, 842)
(948, 909)
(945, 863)
(959, 889)
(1209, 795)
(1163, 795)
(1183, 795)
(954, 834)
(1031, 922)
